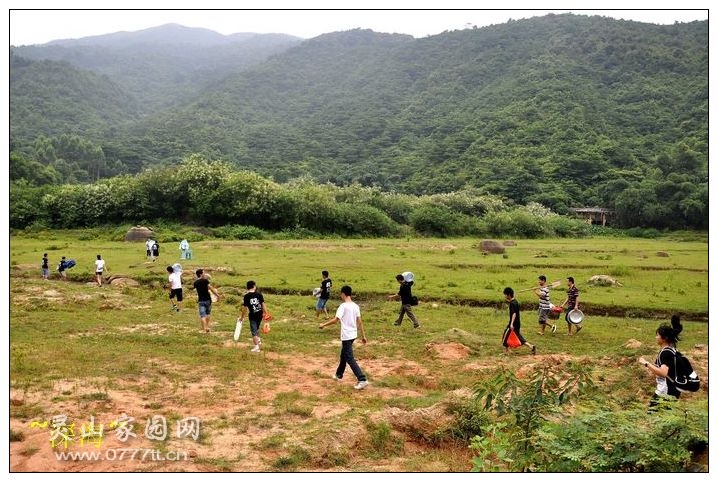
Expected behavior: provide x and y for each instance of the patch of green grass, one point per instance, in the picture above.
(273, 441)
(292, 461)
(29, 451)
(383, 442)
(89, 397)
(218, 464)
(294, 403)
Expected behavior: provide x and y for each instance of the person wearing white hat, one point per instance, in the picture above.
(407, 300)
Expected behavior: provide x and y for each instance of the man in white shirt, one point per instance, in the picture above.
(175, 279)
(349, 315)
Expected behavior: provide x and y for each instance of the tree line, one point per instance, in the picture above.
(215, 194)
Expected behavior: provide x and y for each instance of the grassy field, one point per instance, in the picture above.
(82, 350)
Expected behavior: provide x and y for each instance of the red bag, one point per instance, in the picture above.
(265, 327)
(513, 341)
(267, 315)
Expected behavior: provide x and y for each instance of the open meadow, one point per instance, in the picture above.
(96, 353)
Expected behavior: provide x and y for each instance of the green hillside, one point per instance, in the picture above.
(563, 110)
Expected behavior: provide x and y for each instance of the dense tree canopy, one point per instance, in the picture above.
(562, 110)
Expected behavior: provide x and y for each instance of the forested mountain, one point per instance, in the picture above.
(162, 66)
(564, 110)
(50, 98)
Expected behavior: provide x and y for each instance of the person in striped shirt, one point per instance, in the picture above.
(544, 305)
(571, 303)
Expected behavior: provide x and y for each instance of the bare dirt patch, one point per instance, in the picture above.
(448, 351)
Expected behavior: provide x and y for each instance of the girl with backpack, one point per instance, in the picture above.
(664, 368)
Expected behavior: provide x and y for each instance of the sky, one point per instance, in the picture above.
(37, 26)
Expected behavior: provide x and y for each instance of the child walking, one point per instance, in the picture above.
(349, 316)
(254, 304)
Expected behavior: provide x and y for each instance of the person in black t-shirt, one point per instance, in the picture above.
(405, 296)
(254, 304)
(324, 294)
(204, 299)
(514, 322)
(45, 267)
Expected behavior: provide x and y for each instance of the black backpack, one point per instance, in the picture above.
(687, 380)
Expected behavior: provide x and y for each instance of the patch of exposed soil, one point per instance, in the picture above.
(448, 351)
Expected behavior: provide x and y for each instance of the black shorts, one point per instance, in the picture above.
(254, 326)
(176, 293)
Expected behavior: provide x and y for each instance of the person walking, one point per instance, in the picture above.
(544, 305)
(253, 304)
(571, 303)
(514, 322)
(407, 301)
(155, 251)
(175, 280)
(148, 246)
(664, 368)
(349, 316)
(184, 248)
(324, 294)
(99, 269)
(61, 268)
(45, 267)
(204, 299)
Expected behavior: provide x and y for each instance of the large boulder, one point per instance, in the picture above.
(139, 233)
(491, 246)
(121, 282)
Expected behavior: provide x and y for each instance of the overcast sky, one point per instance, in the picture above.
(40, 26)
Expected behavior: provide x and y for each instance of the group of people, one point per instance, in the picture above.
(253, 305)
(348, 315)
(65, 264)
(544, 296)
(667, 336)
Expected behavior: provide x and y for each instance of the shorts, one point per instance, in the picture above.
(254, 326)
(321, 303)
(98, 273)
(176, 293)
(568, 310)
(543, 316)
(205, 308)
(45, 272)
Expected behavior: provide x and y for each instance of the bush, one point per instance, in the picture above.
(625, 440)
(238, 232)
(648, 233)
(566, 227)
(434, 221)
(363, 220)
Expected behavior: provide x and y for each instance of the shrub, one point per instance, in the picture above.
(631, 440)
(434, 221)
(566, 227)
(238, 232)
(523, 407)
(648, 233)
(362, 220)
